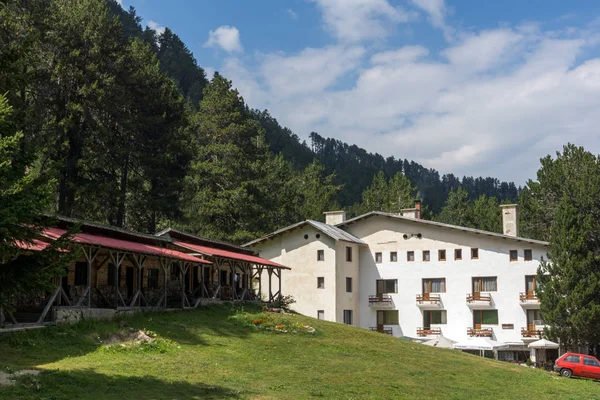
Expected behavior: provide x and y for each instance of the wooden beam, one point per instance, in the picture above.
(82, 298)
(48, 305)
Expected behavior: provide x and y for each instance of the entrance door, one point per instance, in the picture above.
(380, 290)
(194, 278)
(380, 320)
(477, 288)
(533, 318)
(129, 280)
(530, 286)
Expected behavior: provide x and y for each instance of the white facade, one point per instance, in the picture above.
(386, 234)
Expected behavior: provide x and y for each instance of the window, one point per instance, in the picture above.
(442, 255)
(348, 317)
(321, 282)
(530, 284)
(485, 284)
(378, 258)
(112, 274)
(474, 254)
(320, 314)
(349, 285)
(573, 359)
(508, 326)
(348, 253)
(81, 274)
(223, 278)
(175, 271)
(394, 256)
(485, 317)
(426, 255)
(387, 317)
(410, 256)
(527, 254)
(437, 285)
(514, 255)
(590, 361)
(458, 254)
(320, 255)
(435, 317)
(387, 286)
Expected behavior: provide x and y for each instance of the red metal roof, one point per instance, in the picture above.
(34, 245)
(119, 244)
(211, 251)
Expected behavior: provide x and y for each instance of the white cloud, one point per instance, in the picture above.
(292, 13)
(436, 11)
(492, 103)
(156, 27)
(356, 20)
(226, 37)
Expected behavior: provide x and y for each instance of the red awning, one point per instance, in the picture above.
(126, 245)
(34, 245)
(211, 251)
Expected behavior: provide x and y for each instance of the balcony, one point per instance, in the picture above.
(479, 332)
(533, 332)
(479, 300)
(387, 331)
(424, 332)
(429, 301)
(381, 301)
(529, 301)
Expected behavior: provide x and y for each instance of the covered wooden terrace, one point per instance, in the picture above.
(235, 272)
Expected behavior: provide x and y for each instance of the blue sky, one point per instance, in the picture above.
(469, 87)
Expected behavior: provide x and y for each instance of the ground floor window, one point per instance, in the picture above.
(348, 317)
(320, 314)
(223, 278)
(81, 272)
(387, 317)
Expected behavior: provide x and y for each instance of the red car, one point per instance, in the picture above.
(570, 364)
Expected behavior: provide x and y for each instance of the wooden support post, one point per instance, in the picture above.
(89, 253)
(270, 272)
(48, 305)
(232, 282)
(117, 259)
(183, 272)
(165, 264)
(260, 271)
(138, 260)
(280, 271)
(217, 292)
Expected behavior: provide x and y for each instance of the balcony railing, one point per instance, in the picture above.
(428, 298)
(481, 332)
(380, 299)
(429, 331)
(524, 296)
(479, 297)
(531, 333)
(387, 331)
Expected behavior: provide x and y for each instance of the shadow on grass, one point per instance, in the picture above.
(89, 384)
(186, 327)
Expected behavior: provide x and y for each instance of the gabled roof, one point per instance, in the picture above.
(220, 253)
(439, 224)
(329, 230)
(188, 237)
(121, 244)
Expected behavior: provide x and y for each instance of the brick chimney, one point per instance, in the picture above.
(414, 213)
(334, 217)
(510, 219)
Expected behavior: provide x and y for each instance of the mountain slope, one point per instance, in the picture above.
(220, 353)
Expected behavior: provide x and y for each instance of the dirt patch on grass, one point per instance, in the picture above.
(131, 335)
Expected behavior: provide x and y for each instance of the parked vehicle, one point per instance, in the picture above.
(574, 364)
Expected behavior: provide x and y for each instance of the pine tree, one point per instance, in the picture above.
(485, 214)
(457, 210)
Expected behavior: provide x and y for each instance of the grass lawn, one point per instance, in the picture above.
(226, 353)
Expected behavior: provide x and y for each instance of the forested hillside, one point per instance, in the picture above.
(132, 133)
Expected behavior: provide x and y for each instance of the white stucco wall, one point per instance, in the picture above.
(293, 250)
(347, 269)
(385, 235)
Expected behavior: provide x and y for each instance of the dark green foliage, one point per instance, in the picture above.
(24, 195)
(483, 213)
(568, 195)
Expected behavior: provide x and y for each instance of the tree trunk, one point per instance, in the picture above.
(120, 219)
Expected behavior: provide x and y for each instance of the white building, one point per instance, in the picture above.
(413, 278)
